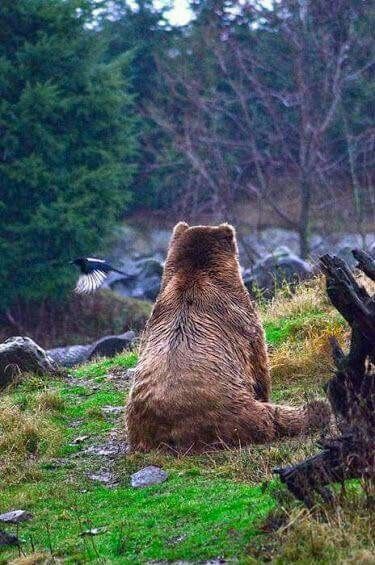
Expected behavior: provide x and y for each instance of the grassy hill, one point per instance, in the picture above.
(62, 458)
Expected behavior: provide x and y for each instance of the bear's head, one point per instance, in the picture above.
(197, 249)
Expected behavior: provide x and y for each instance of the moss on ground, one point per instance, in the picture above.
(195, 513)
(223, 504)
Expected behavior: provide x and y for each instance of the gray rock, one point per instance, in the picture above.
(70, 355)
(148, 476)
(107, 346)
(270, 239)
(345, 253)
(22, 355)
(106, 450)
(130, 373)
(94, 531)
(177, 539)
(121, 380)
(141, 251)
(276, 269)
(104, 477)
(111, 345)
(149, 279)
(340, 243)
(8, 539)
(78, 440)
(144, 283)
(15, 517)
(115, 410)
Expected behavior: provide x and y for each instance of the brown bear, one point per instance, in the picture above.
(202, 379)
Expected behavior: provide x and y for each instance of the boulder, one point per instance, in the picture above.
(107, 346)
(142, 283)
(8, 539)
(110, 345)
(276, 269)
(15, 517)
(22, 355)
(148, 476)
(70, 355)
(345, 253)
(149, 279)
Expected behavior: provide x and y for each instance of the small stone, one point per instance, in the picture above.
(177, 539)
(105, 450)
(15, 517)
(8, 539)
(148, 476)
(104, 477)
(112, 409)
(75, 423)
(94, 532)
(79, 439)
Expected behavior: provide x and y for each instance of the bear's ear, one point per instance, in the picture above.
(178, 230)
(228, 230)
(227, 235)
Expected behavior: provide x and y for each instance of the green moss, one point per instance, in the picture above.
(100, 368)
(211, 506)
(184, 518)
(198, 513)
(283, 329)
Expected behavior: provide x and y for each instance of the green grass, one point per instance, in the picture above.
(279, 331)
(184, 517)
(204, 510)
(102, 367)
(212, 505)
(295, 327)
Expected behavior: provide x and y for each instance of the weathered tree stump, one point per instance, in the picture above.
(351, 391)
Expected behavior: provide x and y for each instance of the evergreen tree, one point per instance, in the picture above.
(67, 144)
(142, 30)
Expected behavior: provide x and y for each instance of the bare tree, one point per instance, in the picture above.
(241, 114)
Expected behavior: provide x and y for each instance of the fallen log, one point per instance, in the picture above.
(351, 391)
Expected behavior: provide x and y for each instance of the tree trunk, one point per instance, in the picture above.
(351, 392)
(304, 218)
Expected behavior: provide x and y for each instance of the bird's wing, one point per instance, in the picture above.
(94, 260)
(91, 282)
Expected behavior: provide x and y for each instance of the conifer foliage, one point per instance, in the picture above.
(67, 144)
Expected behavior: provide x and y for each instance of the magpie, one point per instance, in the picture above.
(93, 273)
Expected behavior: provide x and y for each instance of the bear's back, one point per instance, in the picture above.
(203, 349)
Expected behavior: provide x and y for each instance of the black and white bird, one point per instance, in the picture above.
(93, 273)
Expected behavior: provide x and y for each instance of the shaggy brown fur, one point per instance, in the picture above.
(202, 377)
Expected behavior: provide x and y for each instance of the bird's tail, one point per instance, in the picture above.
(120, 272)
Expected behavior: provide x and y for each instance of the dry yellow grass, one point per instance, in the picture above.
(25, 435)
(300, 363)
(306, 360)
(309, 295)
(307, 320)
(343, 534)
(36, 559)
(49, 400)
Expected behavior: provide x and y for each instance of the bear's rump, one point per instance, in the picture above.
(197, 420)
